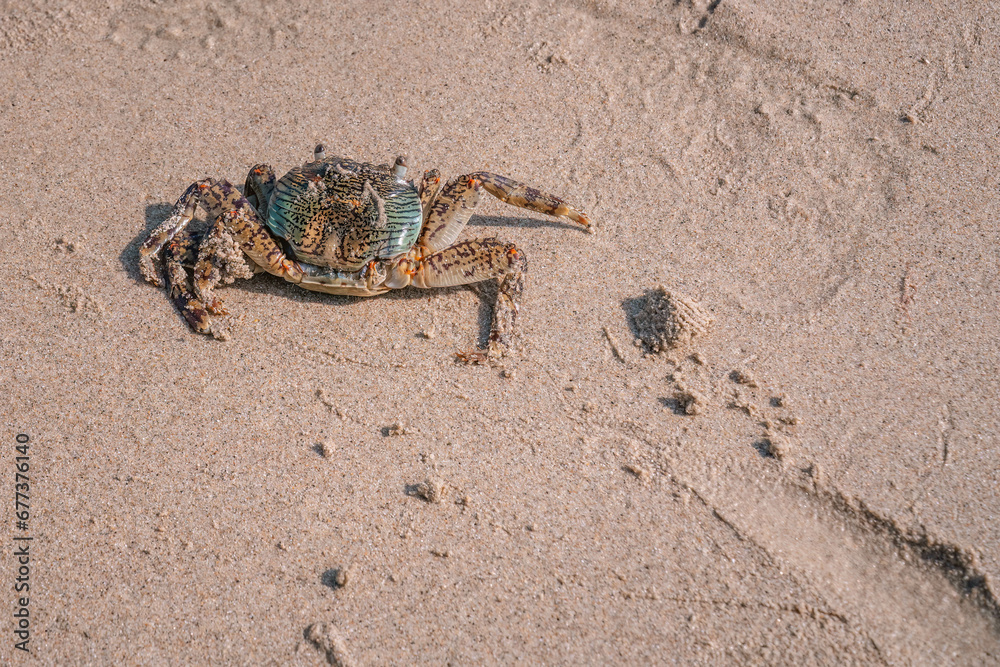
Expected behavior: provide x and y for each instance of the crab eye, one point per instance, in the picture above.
(399, 168)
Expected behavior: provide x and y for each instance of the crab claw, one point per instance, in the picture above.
(149, 267)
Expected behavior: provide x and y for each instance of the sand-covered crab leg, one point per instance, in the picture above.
(216, 258)
(219, 199)
(237, 228)
(183, 212)
(182, 252)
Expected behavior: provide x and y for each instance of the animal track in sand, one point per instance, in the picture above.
(911, 594)
(72, 296)
(916, 597)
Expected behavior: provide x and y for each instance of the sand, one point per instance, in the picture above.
(329, 486)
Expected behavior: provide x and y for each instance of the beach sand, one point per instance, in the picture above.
(813, 479)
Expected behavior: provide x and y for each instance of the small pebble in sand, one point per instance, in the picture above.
(637, 471)
(690, 400)
(667, 321)
(777, 446)
(744, 377)
(431, 490)
(328, 638)
(65, 244)
(344, 575)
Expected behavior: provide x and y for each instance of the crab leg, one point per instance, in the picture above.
(452, 206)
(428, 189)
(215, 258)
(179, 218)
(221, 200)
(475, 261)
(237, 227)
(214, 196)
(182, 250)
(220, 259)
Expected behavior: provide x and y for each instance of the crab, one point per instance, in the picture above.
(343, 227)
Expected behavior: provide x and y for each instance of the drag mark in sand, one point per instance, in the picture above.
(914, 597)
(909, 593)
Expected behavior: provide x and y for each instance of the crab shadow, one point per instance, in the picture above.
(129, 256)
(486, 291)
